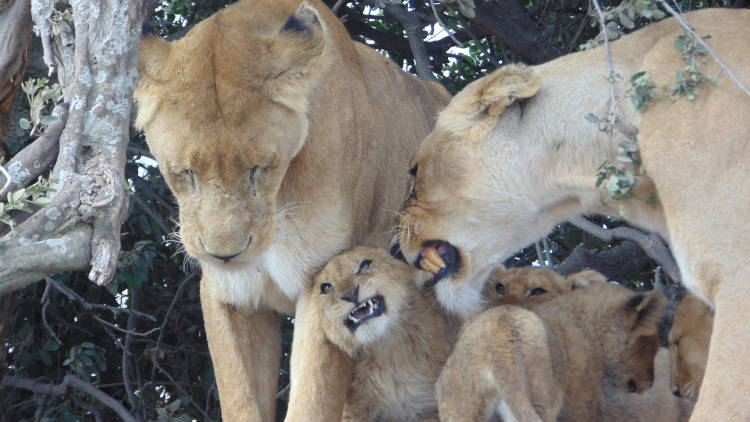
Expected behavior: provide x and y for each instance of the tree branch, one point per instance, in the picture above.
(36, 158)
(62, 389)
(414, 34)
(28, 263)
(652, 244)
(508, 21)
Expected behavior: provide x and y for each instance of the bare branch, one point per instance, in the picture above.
(75, 297)
(62, 389)
(414, 34)
(445, 27)
(611, 116)
(33, 160)
(688, 29)
(652, 244)
(29, 263)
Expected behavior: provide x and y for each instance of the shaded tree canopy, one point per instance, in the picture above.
(135, 348)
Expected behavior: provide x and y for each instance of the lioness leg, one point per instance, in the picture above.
(319, 383)
(726, 380)
(245, 349)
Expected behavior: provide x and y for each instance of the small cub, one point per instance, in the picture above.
(372, 310)
(578, 357)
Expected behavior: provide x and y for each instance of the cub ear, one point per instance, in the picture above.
(298, 48)
(584, 278)
(498, 272)
(643, 311)
(151, 60)
(501, 88)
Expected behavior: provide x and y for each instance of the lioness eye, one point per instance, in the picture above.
(252, 174)
(500, 289)
(364, 266)
(413, 170)
(536, 292)
(325, 288)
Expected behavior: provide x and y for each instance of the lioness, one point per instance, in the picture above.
(371, 308)
(688, 345)
(532, 286)
(568, 360)
(283, 142)
(514, 153)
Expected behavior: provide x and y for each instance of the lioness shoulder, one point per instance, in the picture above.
(371, 309)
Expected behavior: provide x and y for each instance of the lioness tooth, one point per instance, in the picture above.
(429, 266)
(431, 254)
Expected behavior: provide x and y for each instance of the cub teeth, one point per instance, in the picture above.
(431, 260)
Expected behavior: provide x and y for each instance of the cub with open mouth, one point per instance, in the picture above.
(372, 309)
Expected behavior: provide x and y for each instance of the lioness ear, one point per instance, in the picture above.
(153, 55)
(504, 86)
(643, 311)
(584, 278)
(298, 48)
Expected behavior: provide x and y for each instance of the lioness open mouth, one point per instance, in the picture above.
(439, 258)
(367, 309)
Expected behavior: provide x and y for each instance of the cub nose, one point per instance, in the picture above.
(352, 295)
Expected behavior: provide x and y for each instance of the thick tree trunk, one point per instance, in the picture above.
(94, 51)
(15, 35)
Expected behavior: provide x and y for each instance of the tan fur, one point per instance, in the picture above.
(282, 147)
(397, 355)
(582, 356)
(688, 345)
(494, 189)
(532, 286)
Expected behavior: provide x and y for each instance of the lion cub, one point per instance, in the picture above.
(577, 357)
(532, 286)
(372, 310)
(688, 346)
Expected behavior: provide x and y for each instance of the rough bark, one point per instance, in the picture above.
(94, 48)
(15, 35)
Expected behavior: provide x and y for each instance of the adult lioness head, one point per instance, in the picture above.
(363, 293)
(688, 346)
(225, 131)
(532, 286)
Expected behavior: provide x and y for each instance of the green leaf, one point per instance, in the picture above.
(52, 346)
(42, 201)
(88, 344)
(24, 123)
(16, 196)
(591, 117)
(637, 76)
(46, 359)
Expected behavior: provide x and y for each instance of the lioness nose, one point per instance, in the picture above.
(224, 257)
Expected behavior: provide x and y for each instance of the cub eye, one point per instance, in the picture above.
(252, 174)
(413, 170)
(631, 386)
(500, 289)
(325, 288)
(364, 266)
(536, 292)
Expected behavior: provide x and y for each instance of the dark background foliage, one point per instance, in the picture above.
(140, 340)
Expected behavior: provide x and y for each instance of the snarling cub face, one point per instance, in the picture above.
(361, 294)
(532, 286)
